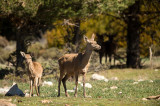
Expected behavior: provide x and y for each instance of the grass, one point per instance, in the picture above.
(131, 94)
(128, 74)
(126, 94)
(135, 74)
(73, 102)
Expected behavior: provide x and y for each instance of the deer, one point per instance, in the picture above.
(108, 49)
(76, 64)
(35, 71)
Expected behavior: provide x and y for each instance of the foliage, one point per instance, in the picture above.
(150, 26)
(84, 8)
(60, 9)
(106, 25)
(80, 10)
(56, 36)
(4, 55)
(23, 18)
(101, 24)
(5, 51)
(19, 7)
(35, 49)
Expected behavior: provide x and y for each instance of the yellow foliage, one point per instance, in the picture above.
(55, 37)
(146, 39)
(94, 25)
(105, 25)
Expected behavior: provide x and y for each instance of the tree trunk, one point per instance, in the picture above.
(133, 36)
(20, 46)
(77, 36)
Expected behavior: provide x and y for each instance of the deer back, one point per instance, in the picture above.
(69, 61)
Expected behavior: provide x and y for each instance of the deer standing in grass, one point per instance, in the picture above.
(76, 64)
(35, 73)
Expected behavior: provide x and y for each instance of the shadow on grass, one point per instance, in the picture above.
(4, 72)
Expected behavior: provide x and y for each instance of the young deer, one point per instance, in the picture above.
(76, 64)
(35, 73)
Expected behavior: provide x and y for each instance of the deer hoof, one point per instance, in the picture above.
(67, 95)
(75, 95)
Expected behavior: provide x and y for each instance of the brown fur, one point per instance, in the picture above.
(76, 64)
(35, 71)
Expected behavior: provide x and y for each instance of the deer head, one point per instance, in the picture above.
(91, 44)
(27, 57)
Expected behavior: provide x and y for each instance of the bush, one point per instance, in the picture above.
(53, 53)
(4, 54)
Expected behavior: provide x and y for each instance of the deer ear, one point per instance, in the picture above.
(85, 38)
(22, 53)
(93, 36)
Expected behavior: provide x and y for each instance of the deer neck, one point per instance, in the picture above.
(30, 67)
(86, 57)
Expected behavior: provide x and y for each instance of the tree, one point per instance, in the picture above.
(135, 27)
(25, 18)
(16, 23)
(79, 11)
(140, 20)
(133, 35)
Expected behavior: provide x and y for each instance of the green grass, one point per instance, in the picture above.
(100, 92)
(37, 101)
(133, 74)
(126, 94)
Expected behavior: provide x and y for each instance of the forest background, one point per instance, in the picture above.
(47, 29)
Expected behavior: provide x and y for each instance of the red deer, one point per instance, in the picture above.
(108, 48)
(76, 64)
(34, 71)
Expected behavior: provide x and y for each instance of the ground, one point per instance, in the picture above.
(132, 85)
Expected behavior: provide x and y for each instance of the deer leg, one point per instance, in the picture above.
(59, 84)
(84, 91)
(76, 85)
(39, 83)
(110, 60)
(100, 58)
(35, 84)
(64, 85)
(114, 60)
(105, 59)
(31, 87)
